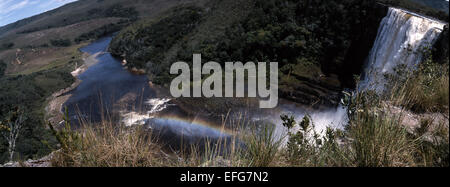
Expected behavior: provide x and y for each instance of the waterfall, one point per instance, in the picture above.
(402, 36)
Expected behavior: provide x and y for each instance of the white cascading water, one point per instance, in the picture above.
(135, 118)
(401, 38)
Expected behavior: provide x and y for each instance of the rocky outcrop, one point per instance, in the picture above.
(42, 162)
(431, 122)
(314, 92)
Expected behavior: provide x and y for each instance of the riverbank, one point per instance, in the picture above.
(54, 112)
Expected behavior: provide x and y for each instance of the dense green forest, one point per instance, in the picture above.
(2, 68)
(28, 93)
(312, 48)
(303, 36)
(320, 45)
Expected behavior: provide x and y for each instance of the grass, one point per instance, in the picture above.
(261, 146)
(425, 90)
(106, 146)
(374, 137)
(70, 55)
(112, 145)
(380, 140)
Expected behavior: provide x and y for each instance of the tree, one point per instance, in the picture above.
(10, 129)
(8, 45)
(2, 68)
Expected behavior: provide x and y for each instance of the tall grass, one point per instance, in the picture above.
(107, 145)
(113, 145)
(423, 90)
(374, 137)
(261, 146)
(380, 140)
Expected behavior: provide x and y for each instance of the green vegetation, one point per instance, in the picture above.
(61, 42)
(261, 146)
(425, 89)
(129, 14)
(306, 147)
(10, 129)
(29, 92)
(2, 68)
(433, 8)
(7, 46)
(117, 10)
(303, 36)
(375, 136)
(29, 88)
(106, 145)
(372, 139)
(440, 51)
(317, 55)
(102, 31)
(440, 5)
(155, 39)
(380, 140)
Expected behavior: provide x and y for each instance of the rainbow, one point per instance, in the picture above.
(195, 124)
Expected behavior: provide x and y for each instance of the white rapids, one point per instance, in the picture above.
(135, 118)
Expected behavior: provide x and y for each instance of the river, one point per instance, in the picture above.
(110, 93)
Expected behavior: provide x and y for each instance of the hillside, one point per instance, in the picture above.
(441, 5)
(37, 55)
(73, 23)
(319, 59)
(437, 9)
(314, 52)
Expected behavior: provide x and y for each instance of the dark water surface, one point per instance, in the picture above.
(108, 90)
(103, 84)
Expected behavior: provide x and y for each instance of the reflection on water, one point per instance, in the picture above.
(105, 85)
(108, 90)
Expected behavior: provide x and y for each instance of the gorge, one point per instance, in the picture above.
(344, 68)
(401, 37)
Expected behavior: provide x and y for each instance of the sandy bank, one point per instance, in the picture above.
(54, 111)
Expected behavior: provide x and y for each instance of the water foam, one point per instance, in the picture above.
(401, 38)
(135, 118)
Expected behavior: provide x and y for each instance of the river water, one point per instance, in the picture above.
(109, 92)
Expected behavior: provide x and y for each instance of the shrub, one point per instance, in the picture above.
(2, 68)
(8, 45)
(61, 42)
(306, 147)
(423, 90)
(261, 146)
(106, 145)
(379, 140)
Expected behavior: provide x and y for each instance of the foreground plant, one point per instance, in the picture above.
(106, 145)
(11, 128)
